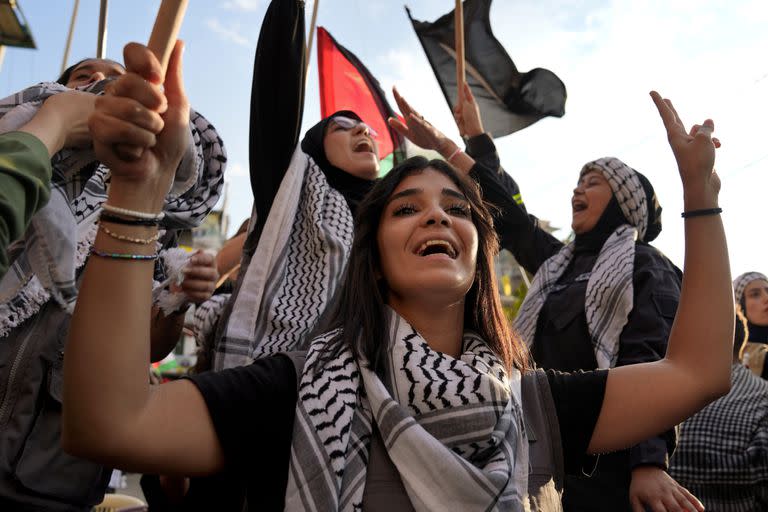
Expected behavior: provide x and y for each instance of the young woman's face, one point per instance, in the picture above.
(590, 197)
(352, 150)
(756, 302)
(93, 70)
(427, 241)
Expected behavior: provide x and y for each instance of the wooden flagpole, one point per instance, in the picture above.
(458, 23)
(161, 43)
(68, 46)
(166, 29)
(310, 40)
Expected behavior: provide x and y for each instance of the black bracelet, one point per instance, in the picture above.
(701, 213)
(108, 217)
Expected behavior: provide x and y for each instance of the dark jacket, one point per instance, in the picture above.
(562, 339)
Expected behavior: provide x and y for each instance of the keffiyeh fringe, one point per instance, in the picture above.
(61, 235)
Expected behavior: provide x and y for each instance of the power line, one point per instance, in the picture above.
(750, 164)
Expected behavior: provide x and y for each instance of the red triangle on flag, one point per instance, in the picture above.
(346, 84)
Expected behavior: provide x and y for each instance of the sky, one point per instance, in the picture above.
(708, 56)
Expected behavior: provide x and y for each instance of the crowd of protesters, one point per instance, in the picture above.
(355, 355)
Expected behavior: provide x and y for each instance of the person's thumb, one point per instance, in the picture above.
(174, 76)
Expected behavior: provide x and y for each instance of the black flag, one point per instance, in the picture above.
(277, 101)
(508, 100)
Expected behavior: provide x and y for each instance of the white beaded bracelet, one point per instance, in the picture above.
(132, 213)
(456, 152)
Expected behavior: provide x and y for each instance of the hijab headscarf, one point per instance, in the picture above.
(740, 284)
(632, 214)
(756, 332)
(352, 187)
(300, 257)
(613, 216)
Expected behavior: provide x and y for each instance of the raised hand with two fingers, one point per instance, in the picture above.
(422, 133)
(694, 152)
(415, 128)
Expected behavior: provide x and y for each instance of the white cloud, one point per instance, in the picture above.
(230, 33)
(242, 5)
(707, 56)
(236, 170)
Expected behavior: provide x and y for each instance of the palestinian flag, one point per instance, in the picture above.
(346, 84)
(509, 100)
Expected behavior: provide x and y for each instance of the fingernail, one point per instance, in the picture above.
(154, 77)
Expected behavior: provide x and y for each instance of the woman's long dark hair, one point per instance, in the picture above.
(358, 310)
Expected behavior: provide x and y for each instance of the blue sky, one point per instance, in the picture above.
(708, 56)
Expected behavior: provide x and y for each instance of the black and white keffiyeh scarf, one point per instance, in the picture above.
(610, 292)
(452, 427)
(61, 234)
(299, 260)
(741, 282)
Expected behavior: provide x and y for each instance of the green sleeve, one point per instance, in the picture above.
(25, 186)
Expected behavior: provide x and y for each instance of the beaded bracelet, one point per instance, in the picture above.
(132, 213)
(107, 217)
(124, 238)
(456, 152)
(701, 213)
(123, 256)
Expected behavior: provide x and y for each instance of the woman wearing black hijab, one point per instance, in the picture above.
(305, 195)
(607, 299)
(300, 242)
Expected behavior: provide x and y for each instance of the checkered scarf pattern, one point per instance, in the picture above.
(61, 234)
(452, 427)
(722, 450)
(298, 263)
(741, 282)
(609, 296)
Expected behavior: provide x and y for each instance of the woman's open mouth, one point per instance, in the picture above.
(363, 146)
(431, 247)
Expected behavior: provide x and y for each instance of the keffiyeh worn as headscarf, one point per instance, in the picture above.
(609, 296)
(300, 258)
(452, 427)
(61, 234)
(741, 282)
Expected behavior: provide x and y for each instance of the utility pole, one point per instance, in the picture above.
(68, 46)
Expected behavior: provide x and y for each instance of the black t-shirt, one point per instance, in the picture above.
(252, 408)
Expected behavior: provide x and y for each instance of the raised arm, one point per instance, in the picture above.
(479, 144)
(642, 400)
(110, 413)
(518, 231)
(277, 101)
(25, 160)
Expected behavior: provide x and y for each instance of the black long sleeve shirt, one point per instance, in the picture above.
(562, 340)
